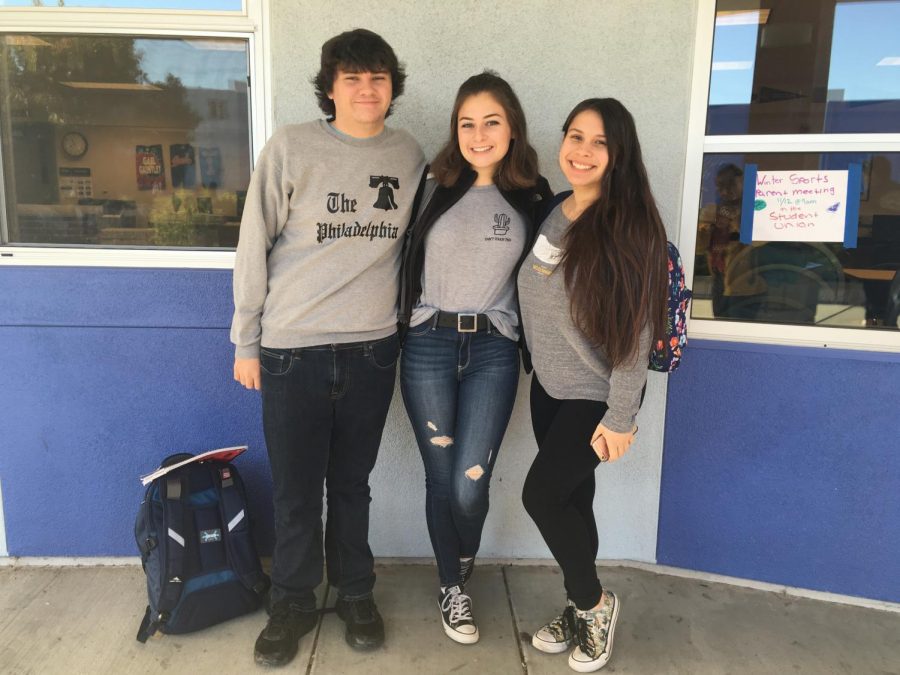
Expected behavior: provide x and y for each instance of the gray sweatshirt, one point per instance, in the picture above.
(321, 236)
(471, 254)
(566, 363)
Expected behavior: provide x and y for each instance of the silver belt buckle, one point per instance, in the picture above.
(459, 323)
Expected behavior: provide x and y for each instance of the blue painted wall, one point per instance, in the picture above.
(108, 371)
(783, 465)
(780, 464)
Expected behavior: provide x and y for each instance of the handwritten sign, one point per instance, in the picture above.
(817, 206)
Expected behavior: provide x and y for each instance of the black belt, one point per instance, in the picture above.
(464, 323)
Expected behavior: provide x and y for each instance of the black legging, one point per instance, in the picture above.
(559, 489)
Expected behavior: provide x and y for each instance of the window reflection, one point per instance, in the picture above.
(736, 289)
(119, 141)
(799, 282)
(203, 5)
(805, 66)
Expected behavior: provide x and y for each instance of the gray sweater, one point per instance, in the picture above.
(566, 363)
(321, 237)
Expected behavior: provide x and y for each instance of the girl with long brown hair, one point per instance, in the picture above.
(460, 365)
(593, 294)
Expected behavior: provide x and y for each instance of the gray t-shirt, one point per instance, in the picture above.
(471, 253)
(321, 238)
(566, 363)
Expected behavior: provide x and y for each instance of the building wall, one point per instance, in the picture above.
(554, 55)
(112, 369)
(782, 465)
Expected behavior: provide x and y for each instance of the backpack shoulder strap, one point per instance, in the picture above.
(175, 494)
(233, 512)
(676, 273)
(666, 355)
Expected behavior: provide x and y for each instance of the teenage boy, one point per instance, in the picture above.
(315, 293)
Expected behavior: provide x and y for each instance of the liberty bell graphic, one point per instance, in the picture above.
(386, 186)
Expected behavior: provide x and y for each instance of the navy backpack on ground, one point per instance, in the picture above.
(193, 532)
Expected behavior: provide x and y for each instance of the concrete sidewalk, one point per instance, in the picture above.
(83, 620)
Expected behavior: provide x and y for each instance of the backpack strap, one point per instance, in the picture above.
(666, 354)
(232, 509)
(175, 501)
(144, 630)
(175, 493)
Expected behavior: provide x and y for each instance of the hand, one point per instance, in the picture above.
(610, 445)
(246, 371)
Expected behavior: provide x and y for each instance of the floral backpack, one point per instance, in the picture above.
(666, 354)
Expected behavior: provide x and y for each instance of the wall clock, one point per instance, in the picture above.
(74, 145)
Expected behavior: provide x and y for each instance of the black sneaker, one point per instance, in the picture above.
(277, 644)
(365, 627)
(465, 569)
(456, 615)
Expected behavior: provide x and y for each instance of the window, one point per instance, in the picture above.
(798, 282)
(782, 67)
(123, 148)
(207, 5)
(110, 140)
(795, 86)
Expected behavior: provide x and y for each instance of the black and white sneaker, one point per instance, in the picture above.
(456, 615)
(558, 635)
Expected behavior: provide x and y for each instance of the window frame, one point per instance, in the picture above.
(252, 24)
(699, 145)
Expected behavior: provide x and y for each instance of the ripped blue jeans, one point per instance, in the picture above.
(459, 390)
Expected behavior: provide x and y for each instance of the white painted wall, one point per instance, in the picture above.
(554, 55)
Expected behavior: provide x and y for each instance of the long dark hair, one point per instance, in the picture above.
(519, 168)
(616, 260)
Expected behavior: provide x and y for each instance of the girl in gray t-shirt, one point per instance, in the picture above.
(460, 364)
(593, 290)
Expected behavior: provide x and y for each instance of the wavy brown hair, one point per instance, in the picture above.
(519, 168)
(356, 51)
(616, 256)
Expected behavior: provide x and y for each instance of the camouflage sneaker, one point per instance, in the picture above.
(558, 635)
(594, 635)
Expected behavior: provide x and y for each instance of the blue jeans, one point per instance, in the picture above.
(324, 409)
(459, 390)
